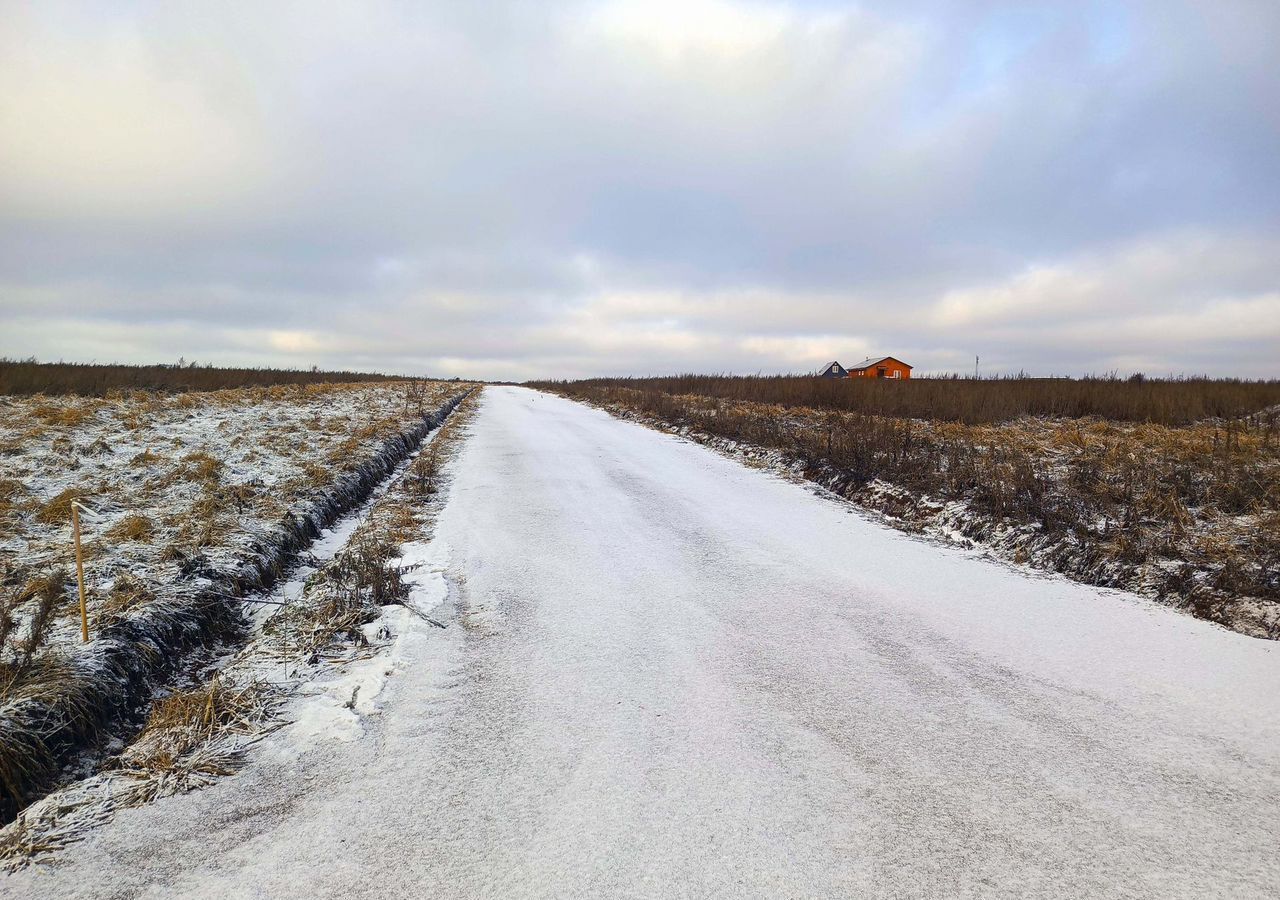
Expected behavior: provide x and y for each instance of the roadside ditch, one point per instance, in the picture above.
(93, 701)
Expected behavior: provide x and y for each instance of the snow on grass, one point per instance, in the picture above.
(184, 484)
(321, 651)
(196, 497)
(334, 704)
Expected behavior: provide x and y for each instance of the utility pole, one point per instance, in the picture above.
(975, 368)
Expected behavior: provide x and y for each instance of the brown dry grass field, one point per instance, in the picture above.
(26, 377)
(1179, 401)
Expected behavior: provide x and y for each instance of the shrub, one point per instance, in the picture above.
(972, 401)
(27, 377)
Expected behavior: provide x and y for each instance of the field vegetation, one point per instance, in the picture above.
(1114, 483)
(1178, 401)
(27, 377)
(201, 730)
(189, 493)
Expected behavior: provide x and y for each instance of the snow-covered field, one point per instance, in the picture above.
(183, 483)
(313, 661)
(665, 674)
(196, 499)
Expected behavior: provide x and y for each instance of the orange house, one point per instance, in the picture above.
(882, 367)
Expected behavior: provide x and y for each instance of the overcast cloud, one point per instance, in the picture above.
(515, 190)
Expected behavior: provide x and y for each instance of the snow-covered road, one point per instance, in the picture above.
(668, 675)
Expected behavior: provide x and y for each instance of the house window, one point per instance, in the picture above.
(880, 372)
(896, 374)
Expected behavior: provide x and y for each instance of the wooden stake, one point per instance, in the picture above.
(84, 612)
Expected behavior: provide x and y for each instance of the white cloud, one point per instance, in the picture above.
(93, 127)
(805, 352)
(295, 342)
(575, 187)
(1180, 272)
(676, 28)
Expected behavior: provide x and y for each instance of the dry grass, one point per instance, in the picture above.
(346, 594)
(127, 594)
(193, 737)
(344, 455)
(205, 524)
(26, 673)
(57, 509)
(314, 473)
(29, 377)
(24, 759)
(402, 522)
(133, 527)
(190, 739)
(199, 466)
(97, 447)
(167, 752)
(12, 492)
(195, 511)
(349, 592)
(146, 459)
(423, 476)
(62, 414)
(18, 645)
(1160, 401)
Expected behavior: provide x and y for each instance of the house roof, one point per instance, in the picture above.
(832, 363)
(872, 361)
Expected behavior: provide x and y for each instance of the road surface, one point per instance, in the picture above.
(668, 675)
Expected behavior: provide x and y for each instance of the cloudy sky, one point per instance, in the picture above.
(516, 190)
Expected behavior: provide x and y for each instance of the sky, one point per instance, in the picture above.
(515, 190)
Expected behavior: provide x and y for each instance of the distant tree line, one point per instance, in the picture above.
(21, 377)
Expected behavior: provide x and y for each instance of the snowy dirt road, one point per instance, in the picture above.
(666, 675)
